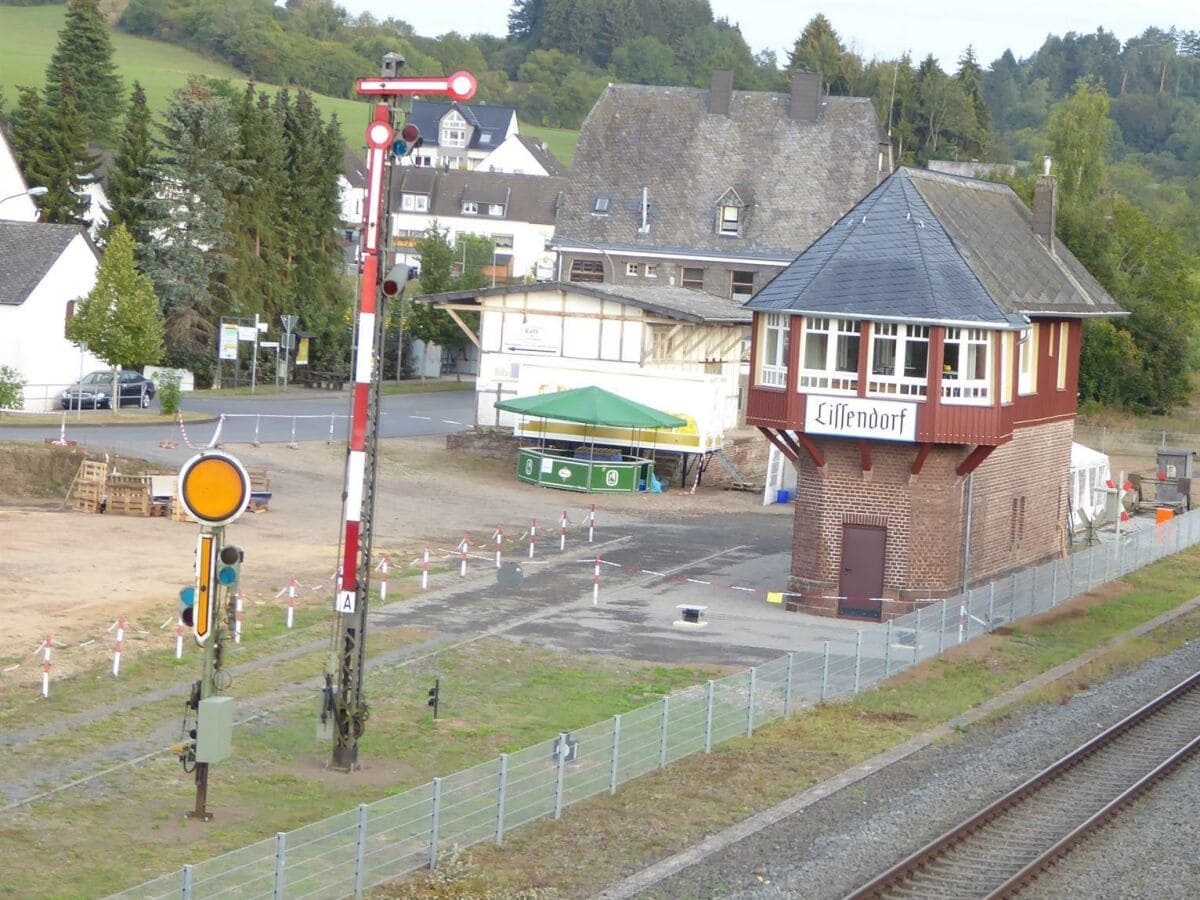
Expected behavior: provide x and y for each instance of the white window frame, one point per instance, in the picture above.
(495, 209)
(470, 208)
(1006, 367)
(1027, 362)
(632, 270)
(414, 203)
(651, 270)
(957, 388)
(897, 383)
(1061, 383)
(600, 207)
(829, 378)
(729, 220)
(453, 131)
(775, 332)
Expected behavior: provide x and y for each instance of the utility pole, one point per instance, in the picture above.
(344, 705)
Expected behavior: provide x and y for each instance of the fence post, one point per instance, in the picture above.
(1012, 597)
(1054, 584)
(887, 651)
(434, 822)
(1091, 566)
(662, 732)
(329, 440)
(991, 604)
(185, 888)
(1033, 592)
(562, 768)
(280, 864)
(257, 418)
(616, 750)
(501, 790)
(708, 717)
(787, 686)
(857, 660)
(825, 673)
(917, 639)
(1107, 554)
(750, 701)
(942, 630)
(968, 623)
(360, 852)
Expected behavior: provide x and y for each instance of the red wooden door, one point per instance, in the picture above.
(861, 582)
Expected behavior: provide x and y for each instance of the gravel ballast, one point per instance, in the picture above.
(843, 841)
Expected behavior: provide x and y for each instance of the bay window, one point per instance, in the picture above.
(899, 360)
(830, 355)
(773, 355)
(967, 365)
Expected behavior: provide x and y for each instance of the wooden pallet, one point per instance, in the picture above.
(260, 482)
(178, 513)
(87, 487)
(128, 495)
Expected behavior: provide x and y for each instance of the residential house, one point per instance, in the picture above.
(44, 271)
(515, 211)
(674, 349)
(522, 154)
(918, 364)
(17, 205)
(716, 189)
(352, 185)
(457, 135)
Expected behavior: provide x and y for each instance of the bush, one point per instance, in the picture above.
(168, 392)
(12, 395)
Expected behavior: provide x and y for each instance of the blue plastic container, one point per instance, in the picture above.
(783, 496)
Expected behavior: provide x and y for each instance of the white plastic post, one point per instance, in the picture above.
(532, 536)
(425, 567)
(383, 570)
(591, 522)
(562, 532)
(560, 776)
(501, 790)
(596, 582)
(614, 770)
(857, 660)
(46, 666)
(435, 822)
(237, 617)
(825, 673)
(360, 851)
(466, 546)
(179, 641)
(962, 621)
(257, 418)
(291, 607)
(120, 646)
(499, 539)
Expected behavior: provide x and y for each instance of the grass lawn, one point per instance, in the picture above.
(560, 141)
(29, 35)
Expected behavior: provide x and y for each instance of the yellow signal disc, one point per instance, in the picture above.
(214, 488)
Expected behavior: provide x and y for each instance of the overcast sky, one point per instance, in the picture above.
(872, 27)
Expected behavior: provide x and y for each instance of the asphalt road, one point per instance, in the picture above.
(267, 418)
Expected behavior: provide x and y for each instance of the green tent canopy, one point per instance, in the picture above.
(591, 406)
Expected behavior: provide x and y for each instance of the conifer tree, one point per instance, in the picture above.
(85, 55)
(29, 137)
(70, 164)
(131, 180)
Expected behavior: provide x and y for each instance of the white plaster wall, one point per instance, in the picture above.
(18, 209)
(529, 238)
(514, 157)
(32, 335)
(351, 201)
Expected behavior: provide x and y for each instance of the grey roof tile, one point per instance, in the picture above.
(935, 248)
(27, 252)
(485, 120)
(795, 177)
(542, 154)
(526, 198)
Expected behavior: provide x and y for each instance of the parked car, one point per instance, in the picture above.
(94, 391)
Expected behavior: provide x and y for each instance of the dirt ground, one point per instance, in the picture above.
(72, 574)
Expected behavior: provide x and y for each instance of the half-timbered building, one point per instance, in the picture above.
(918, 364)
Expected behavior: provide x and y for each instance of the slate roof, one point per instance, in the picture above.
(795, 177)
(527, 198)
(354, 166)
(931, 247)
(667, 301)
(489, 123)
(28, 250)
(542, 154)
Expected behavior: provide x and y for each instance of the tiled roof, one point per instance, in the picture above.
(936, 248)
(354, 166)
(669, 302)
(542, 154)
(492, 121)
(795, 177)
(27, 252)
(526, 198)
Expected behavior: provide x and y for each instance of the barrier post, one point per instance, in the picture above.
(825, 673)
(499, 539)
(329, 440)
(120, 646)
(942, 629)
(662, 732)
(425, 567)
(857, 661)
(787, 685)
(596, 582)
(291, 608)
(435, 822)
(991, 603)
(532, 536)
(256, 422)
(887, 651)
(501, 789)
(562, 532)
(465, 545)
(237, 617)
(185, 888)
(591, 522)
(360, 852)
(383, 572)
(46, 666)
(292, 443)
(616, 755)
(280, 863)
(750, 701)
(179, 641)
(962, 621)
(562, 768)
(917, 639)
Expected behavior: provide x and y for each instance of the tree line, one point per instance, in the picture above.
(230, 202)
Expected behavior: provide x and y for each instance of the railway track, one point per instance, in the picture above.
(1005, 845)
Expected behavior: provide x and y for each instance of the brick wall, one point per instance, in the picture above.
(1018, 501)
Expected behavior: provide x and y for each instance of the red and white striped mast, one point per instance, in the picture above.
(346, 704)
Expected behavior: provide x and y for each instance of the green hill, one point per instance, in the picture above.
(29, 34)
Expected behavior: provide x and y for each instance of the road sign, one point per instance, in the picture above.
(289, 322)
(206, 586)
(214, 488)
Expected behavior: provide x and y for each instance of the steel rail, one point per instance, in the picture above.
(892, 882)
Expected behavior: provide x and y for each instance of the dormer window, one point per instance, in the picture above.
(453, 130)
(470, 208)
(495, 209)
(485, 138)
(731, 223)
(414, 202)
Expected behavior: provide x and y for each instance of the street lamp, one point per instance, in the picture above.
(38, 191)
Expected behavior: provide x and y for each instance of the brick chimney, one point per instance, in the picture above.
(1045, 205)
(806, 97)
(720, 92)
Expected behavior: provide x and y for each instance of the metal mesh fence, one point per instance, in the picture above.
(346, 854)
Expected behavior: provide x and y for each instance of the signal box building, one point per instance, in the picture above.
(918, 364)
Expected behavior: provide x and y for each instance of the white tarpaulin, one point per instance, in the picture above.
(1089, 471)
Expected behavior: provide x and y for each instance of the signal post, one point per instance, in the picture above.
(215, 490)
(344, 708)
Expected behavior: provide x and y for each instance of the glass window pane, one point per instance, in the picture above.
(884, 357)
(816, 345)
(847, 353)
(950, 366)
(916, 359)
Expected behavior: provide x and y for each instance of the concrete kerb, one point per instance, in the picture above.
(648, 877)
